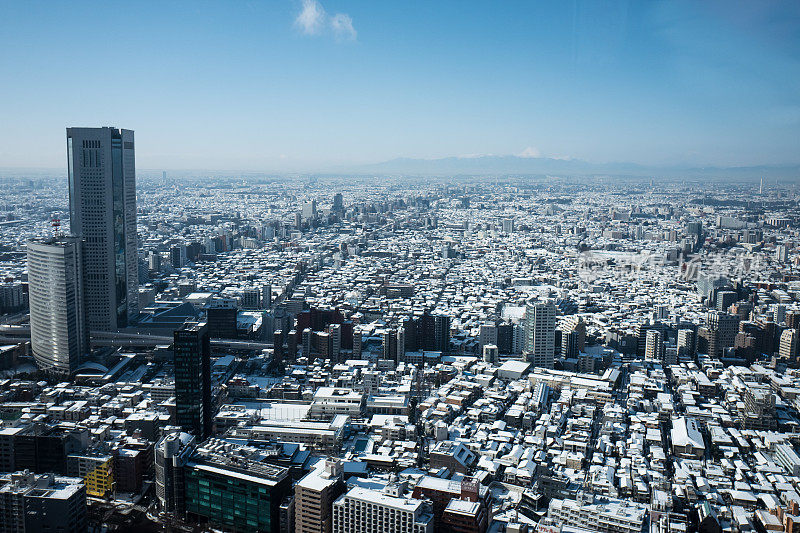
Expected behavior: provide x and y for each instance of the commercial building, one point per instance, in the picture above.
(462, 506)
(31, 503)
(59, 327)
(720, 333)
(192, 361)
(331, 401)
(372, 511)
(221, 315)
(323, 436)
(102, 208)
(232, 487)
(171, 454)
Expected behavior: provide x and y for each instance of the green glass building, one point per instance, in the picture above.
(235, 493)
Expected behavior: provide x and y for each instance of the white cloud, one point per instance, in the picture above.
(314, 20)
(343, 27)
(530, 151)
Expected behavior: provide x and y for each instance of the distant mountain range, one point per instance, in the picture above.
(489, 165)
(545, 166)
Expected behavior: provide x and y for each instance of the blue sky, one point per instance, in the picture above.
(307, 85)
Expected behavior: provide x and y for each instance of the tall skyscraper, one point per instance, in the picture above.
(540, 333)
(102, 208)
(338, 202)
(59, 330)
(192, 353)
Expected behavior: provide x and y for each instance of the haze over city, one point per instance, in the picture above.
(328, 266)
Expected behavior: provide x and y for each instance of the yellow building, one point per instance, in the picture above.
(97, 471)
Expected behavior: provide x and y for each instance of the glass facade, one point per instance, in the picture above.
(233, 503)
(192, 360)
(71, 179)
(120, 271)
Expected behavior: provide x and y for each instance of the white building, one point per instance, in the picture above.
(607, 515)
(687, 441)
(331, 401)
(370, 511)
(540, 333)
(787, 457)
(59, 329)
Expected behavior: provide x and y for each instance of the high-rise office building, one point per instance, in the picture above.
(335, 340)
(266, 296)
(427, 332)
(234, 488)
(569, 344)
(540, 333)
(171, 454)
(310, 209)
(102, 207)
(251, 298)
(725, 299)
(59, 330)
(390, 344)
(222, 314)
(192, 353)
(338, 202)
(177, 256)
(505, 338)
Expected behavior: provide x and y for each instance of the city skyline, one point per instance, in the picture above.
(317, 86)
(371, 267)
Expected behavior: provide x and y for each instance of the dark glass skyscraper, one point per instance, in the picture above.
(102, 209)
(192, 360)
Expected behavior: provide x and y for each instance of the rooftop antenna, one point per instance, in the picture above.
(55, 222)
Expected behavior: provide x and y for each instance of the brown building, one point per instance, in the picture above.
(132, 462)
(458, 506)
(314, 495)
